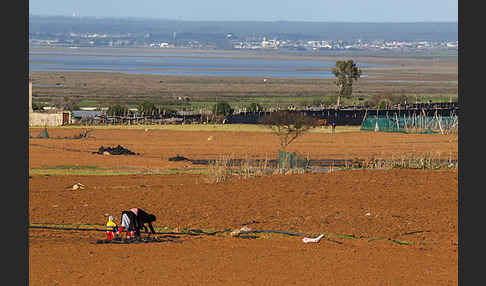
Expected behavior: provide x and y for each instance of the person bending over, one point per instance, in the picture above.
(143, 218)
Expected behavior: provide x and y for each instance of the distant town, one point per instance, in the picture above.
(231, 42)
(47, 31)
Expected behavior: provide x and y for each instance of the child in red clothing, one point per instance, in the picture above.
(111, 228)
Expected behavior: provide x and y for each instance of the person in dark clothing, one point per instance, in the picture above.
(143, 218)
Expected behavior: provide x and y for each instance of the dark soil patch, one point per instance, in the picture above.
(118, 150)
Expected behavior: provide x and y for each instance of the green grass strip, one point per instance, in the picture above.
(370, 239)
(74, 167)
(344, 236)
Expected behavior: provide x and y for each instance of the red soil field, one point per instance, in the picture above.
(157, 146)
(379, 207)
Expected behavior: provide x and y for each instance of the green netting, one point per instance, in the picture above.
(43, 134)
(410, 124)
(291, 160)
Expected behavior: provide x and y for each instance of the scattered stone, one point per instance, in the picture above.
(76, 187)
(237, 232)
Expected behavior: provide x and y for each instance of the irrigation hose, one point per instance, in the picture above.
(198, 232)
(194, 232)
(98, 229)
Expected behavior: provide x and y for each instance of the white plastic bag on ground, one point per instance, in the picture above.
(317, 239)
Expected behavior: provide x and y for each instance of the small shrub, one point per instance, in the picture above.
(255, 107)
(222, 109)
(423, 161)
(117, 110)
(146, 108)
(220, 170)
(224, 168)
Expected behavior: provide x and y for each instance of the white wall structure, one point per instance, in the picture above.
(49, 119)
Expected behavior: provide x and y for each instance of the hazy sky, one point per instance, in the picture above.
(257, 10)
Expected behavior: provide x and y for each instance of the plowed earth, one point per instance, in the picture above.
(377, 207)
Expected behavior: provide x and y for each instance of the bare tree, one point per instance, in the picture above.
(288, 125)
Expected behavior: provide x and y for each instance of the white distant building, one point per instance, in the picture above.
(452, 44)
(161, 45)
(269, 43)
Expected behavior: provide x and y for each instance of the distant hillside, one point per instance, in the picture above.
(422, 31)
